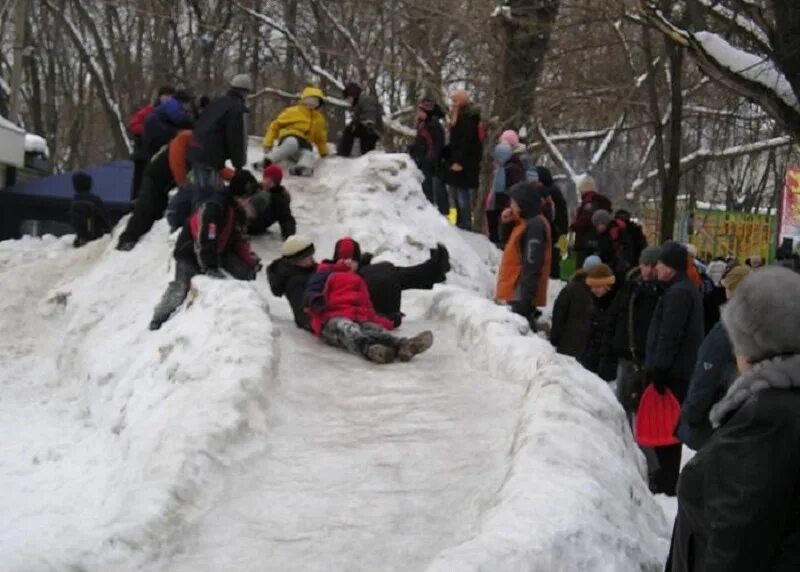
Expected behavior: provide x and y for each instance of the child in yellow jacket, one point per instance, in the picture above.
(296, 130)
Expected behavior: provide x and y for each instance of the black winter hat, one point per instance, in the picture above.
(528, 198)
(243, 184)
(347, 248)
(674, 255)
(545, 176)
(82, 182)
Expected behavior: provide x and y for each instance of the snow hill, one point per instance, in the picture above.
(230, 440)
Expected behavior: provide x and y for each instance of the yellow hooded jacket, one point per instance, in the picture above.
(298, 120)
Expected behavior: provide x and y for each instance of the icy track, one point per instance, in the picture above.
(230, 440)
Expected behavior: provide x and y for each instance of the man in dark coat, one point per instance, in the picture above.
(220, 135)
(366, 122)
(713, 374)
(675, 335)
(463, 155)
(558, 215)
(272, 205)
(87, 212)
(289, 274)
(635, 232)
(738, 498)
(210, 242)
(632, 312)
(426, 150)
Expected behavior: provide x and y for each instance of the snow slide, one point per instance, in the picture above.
(230, 440)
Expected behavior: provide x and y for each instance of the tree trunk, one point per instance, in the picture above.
(673, 182)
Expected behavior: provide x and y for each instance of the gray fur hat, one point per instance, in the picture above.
(602, 217)
(762, 318)
(650, 255)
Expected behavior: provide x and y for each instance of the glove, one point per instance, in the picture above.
(215, 273)
(397, 318)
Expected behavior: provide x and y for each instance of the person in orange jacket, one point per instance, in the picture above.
(167, 169)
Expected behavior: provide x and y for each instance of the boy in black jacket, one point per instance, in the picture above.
(271, 205)
(366, 124)
(87, 212)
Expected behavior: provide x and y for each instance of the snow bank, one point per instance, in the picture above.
(117, 436)
(575, 496)
(755, 68)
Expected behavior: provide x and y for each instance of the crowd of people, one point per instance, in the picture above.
(718, 339)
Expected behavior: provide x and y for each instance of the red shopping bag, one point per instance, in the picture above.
(657, 418)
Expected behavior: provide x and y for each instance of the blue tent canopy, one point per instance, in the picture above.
(48, 198)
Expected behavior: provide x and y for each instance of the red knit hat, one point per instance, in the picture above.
(347, 248)
(273, 172)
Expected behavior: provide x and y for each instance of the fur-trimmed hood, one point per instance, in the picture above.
(777, 373)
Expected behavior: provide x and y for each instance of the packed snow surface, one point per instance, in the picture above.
(231, 440)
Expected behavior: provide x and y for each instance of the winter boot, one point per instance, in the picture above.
(441, 258)
(126, 245)
(378, 353)
(299, 171)
(414, 346)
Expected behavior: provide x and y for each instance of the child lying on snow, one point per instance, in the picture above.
(342, 314)
(212, 240)
(289, 275)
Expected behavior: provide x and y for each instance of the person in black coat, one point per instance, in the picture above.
(272, 204)
(366, 123)
(557, 214)
(613, 243)
(738, 498)
(673, 340)
(289, 275)
(426, 151)
(463, 155)
(581, 319)
(87, 212)
(635, 232)
(713, 373)
(631, 314)
(220, 135)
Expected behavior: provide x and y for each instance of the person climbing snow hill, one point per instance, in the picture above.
(342, 314)
(211, 241)
(293, 134)
(288, 276)
(366, 123)
(272, 204)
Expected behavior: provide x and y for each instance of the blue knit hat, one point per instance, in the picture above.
(591, 262)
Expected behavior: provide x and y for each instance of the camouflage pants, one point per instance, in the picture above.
(357, 337)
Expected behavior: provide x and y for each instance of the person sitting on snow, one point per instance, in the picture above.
(366, 123)
(272, 204)
(296, 130)
(288, 276)
(87, 212)
(341, 312)
(211, 241)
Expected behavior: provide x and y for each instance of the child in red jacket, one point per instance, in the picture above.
(342, 314)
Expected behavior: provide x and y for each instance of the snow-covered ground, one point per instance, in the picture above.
(230, 440)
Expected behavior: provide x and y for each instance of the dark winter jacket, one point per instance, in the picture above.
(163, 124)
(221, 133)
(712, 304)
(290, 280)
(88, 217)
(739, 498)
(615, 248)
(675, 335)
(211, 231)
(466, 149)
(581, 327)
(713, 373)
(632, 312)
(426, 150)
(586, 240)
(367, 111)
(559, 215)
(334, 291)
(270, 207)
(637, 238)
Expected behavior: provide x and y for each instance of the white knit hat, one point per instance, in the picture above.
(297, 245)
(242, 81)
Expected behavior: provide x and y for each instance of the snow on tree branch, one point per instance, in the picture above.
(107, 96)
(744, 24)
(606, 144)
(292, 39)
(704, 154)
(555, 153)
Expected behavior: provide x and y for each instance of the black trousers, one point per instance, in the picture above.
(386, 282)
(367, 136)
(149, 207)
(139, 166)
(501, 201)
(555, 262)
(669, 467)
